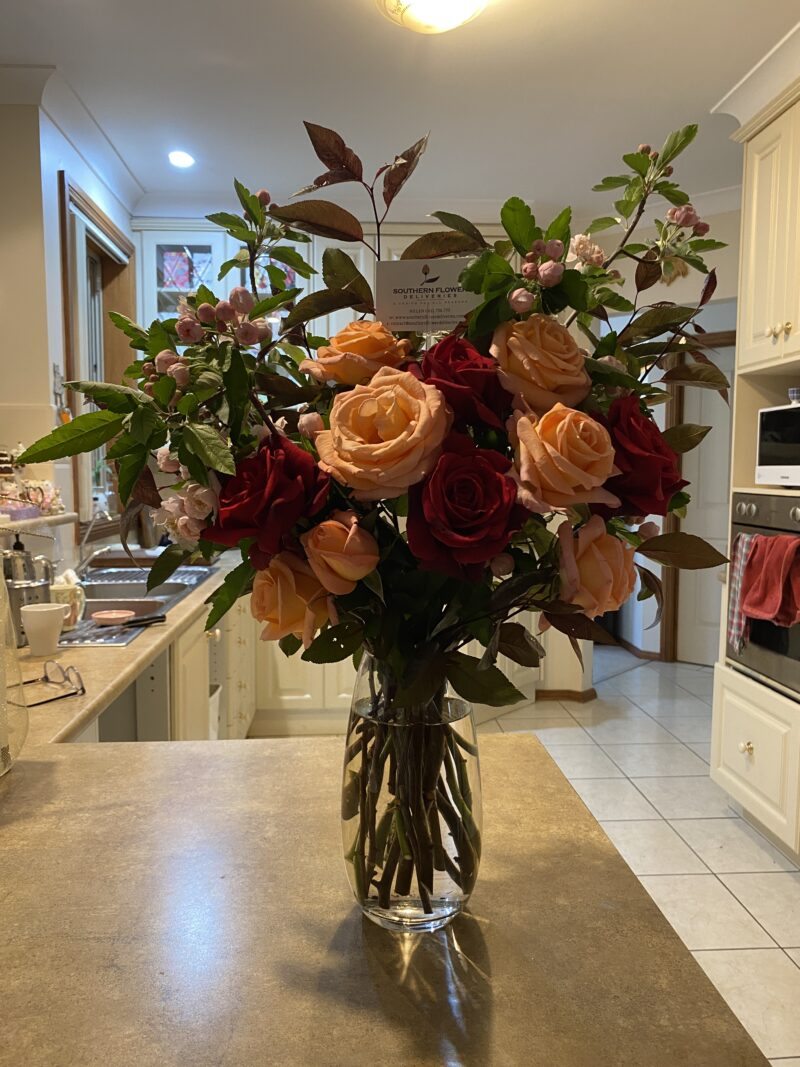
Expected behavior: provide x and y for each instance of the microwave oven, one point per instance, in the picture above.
(778, 446)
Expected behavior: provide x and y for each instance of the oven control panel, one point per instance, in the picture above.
(767, 512)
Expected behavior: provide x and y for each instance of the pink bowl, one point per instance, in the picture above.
(112, 618)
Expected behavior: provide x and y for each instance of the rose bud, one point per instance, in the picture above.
(538, 247)
(644, 148)
(532, 258)
(530, 271)
(148, 388)
(654, 155)
(503, 565)
(554, 248)
(264, 329)
(700, 229)
(520, 301)
(550, 274)
(241, 299)
(164, 360)
(246, 333)
(180, 373)
(189, 330)
(309, 424)
(154, 377)
(207, 314)
(225, 311)
(263, 197)
(148, 367)
(648, 530)
(340, 552)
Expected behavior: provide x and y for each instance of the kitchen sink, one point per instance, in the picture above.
(152, 605)
(133, 591)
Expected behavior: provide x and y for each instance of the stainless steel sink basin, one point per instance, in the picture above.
(133, 591)
(148, 606)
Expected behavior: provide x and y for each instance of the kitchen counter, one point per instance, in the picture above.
(108, 670)
(178, 904)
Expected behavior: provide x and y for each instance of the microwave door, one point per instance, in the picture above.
(778, 446)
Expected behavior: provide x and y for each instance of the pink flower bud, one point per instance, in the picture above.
(554, 249)
(166, 462)
(148, 388)
(644, 148)
(207, 314)
(648, 530)
(241, 299)
(700, 229)
(164, 360)
(148, 367)
(550, 274)
(246, 333)
(189, 330)
(521, 301)
(503, 565)
(225, 311)
(309, 424)
(531, 257)
(538, 247)
(530, 271)
(685, 215)
(180, 373)
(264, 329)
(263, 197)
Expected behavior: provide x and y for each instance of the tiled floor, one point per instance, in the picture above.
(638, 757)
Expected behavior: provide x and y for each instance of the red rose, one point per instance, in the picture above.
(465, 512)
(270, 491)
(469, 382)
(649, 474)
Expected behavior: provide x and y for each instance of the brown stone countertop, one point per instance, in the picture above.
(185, 905)
(108, 670)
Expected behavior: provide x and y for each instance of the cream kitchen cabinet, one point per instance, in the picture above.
(189, 683)
(769, 305)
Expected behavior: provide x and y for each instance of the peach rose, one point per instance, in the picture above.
(288, 597)
(356, 353)
(340, 552)
(597, 570)
(561, 459)
(540, 361)
(384, 436)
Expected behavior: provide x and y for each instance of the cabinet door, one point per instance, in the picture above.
(189, 712)
(765, 244)
(286, 683)
(174, 264)
(791, 304)
(340, 678)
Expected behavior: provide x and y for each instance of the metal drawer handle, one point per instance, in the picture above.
(746, 748)
(787, 327)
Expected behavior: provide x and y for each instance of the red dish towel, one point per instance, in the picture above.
(771, 582)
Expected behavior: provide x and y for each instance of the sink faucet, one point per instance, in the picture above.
(85, 560)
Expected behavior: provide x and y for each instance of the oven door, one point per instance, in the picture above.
(772, 652)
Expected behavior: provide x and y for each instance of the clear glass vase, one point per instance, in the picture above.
(411, 803)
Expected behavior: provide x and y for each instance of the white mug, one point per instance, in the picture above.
(74, 597)
(42, 624)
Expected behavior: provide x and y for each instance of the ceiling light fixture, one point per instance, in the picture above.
(181, 159)
(431, 16)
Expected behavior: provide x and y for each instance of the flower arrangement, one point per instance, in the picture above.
(402, 496)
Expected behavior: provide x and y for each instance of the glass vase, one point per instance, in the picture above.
(411, 803)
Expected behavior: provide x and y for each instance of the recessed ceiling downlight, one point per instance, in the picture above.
(181, 159)
(431, 16)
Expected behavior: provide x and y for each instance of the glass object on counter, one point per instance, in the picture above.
(13, 709)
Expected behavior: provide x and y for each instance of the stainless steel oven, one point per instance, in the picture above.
(772, 652)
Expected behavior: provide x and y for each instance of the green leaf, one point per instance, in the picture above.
(249, 202)
(676, 142)
(397, 174)
(681, 550)
(237, 391)
(519, 223)
(289, 644)
(701, 244)
(231, 264)
(320, 217)
(340, 272)
(144, 421)
(316, 304)
(602, 372)
(685, 437)
(609, 299)
(165, 565)
(236, 584)
(270, 303)
(573, 284)
(671, 192)
(613, 182)
(205, 443)
(119, 398)
(559, 227)
(702, 375)
(335, 643)
(204, 296)
(129, 467)
(137, 333)
(438, 243)
(160, 338)
(228, 221)
(461, 225)
(678, 504)
(657, 320)
(373, 582)
(638, 161)
(290, 257)
(83, 434)
(488, 316)
(630, 199)
(488, 686)
(517, 644)
(605, 222)
(164, 389)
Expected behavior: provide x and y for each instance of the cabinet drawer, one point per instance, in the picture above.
(755, 750)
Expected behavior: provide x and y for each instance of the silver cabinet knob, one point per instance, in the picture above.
(741, 509)
(751, 511)
(787, 327)
(794, 514)
(746, 748)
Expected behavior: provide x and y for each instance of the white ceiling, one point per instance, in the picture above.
(534, 97)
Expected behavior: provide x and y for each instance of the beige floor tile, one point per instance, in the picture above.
(610, 661)
(491, 727)
(654, 761)
(680, 705)
(630, 729)
(731, 846)
(774, 899)
(704, 914)
(793, 1061)
(795, 954)
(583, 761)
(702, 748)
(686, 798)
(762, 988)
(689, 728)
(613, 798)
(540, 709)
(653, 847)
(549, 731)
(603, 709)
